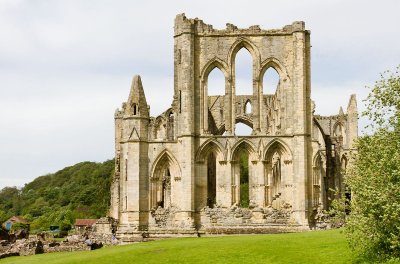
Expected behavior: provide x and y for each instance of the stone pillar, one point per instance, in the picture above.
(187, 187)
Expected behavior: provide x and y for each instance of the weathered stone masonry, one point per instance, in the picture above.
(179, 173)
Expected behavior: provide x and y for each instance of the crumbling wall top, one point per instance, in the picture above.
(197, 26)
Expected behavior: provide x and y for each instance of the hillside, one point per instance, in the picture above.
(78, 191)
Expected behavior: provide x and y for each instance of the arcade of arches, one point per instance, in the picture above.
(241, 148)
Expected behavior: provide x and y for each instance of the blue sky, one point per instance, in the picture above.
(65, 66)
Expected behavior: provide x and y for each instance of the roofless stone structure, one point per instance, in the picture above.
(187, 171)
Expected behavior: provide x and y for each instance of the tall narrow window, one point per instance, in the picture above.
(216, 83)
(247, 107)
(215, 98)
(126, 169)
(270, 81)
(180, 101)
(243, 72)
(134, 109)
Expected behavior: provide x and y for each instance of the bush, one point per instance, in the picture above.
(373, 226)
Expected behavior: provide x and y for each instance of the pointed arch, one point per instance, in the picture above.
(339, 129)
(243, 144)
(277, 66)
(318, 182)
(166, 154)
(211, 65)
(204, 107)
(248, 45)
(207, 147)
(165, 169)
(242, 173)
(247, 107)
(245, 43)
(277, 144)
(277, 171)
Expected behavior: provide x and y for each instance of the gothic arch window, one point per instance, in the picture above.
(243, 72)
(318, 183)
(270, 81)
(340, 132)
(247, 107)
(215, 86)
(216, 83)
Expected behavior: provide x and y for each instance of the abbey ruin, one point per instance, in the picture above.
(186, 172)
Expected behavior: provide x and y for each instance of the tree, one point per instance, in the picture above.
(373, 227)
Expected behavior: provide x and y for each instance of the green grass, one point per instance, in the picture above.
(308, 247)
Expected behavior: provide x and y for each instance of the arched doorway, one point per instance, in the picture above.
(161, 187)
(241, 174)
(277, 173)
(208, 169)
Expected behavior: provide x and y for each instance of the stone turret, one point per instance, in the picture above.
(136, 112)
(137, 105)
(131, 170)
(341, 113)
(352, 120)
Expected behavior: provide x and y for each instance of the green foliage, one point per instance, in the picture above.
(308, 247)
(373, 227)
(338, 211)
(19, 226)
(79, 191)
(3, 216)
(383, 102)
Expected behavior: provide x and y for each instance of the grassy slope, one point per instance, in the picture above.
(309, 247)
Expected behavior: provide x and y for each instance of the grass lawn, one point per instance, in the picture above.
(308, 247)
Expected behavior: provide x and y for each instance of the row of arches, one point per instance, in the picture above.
(244, 77)
(243, 173)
